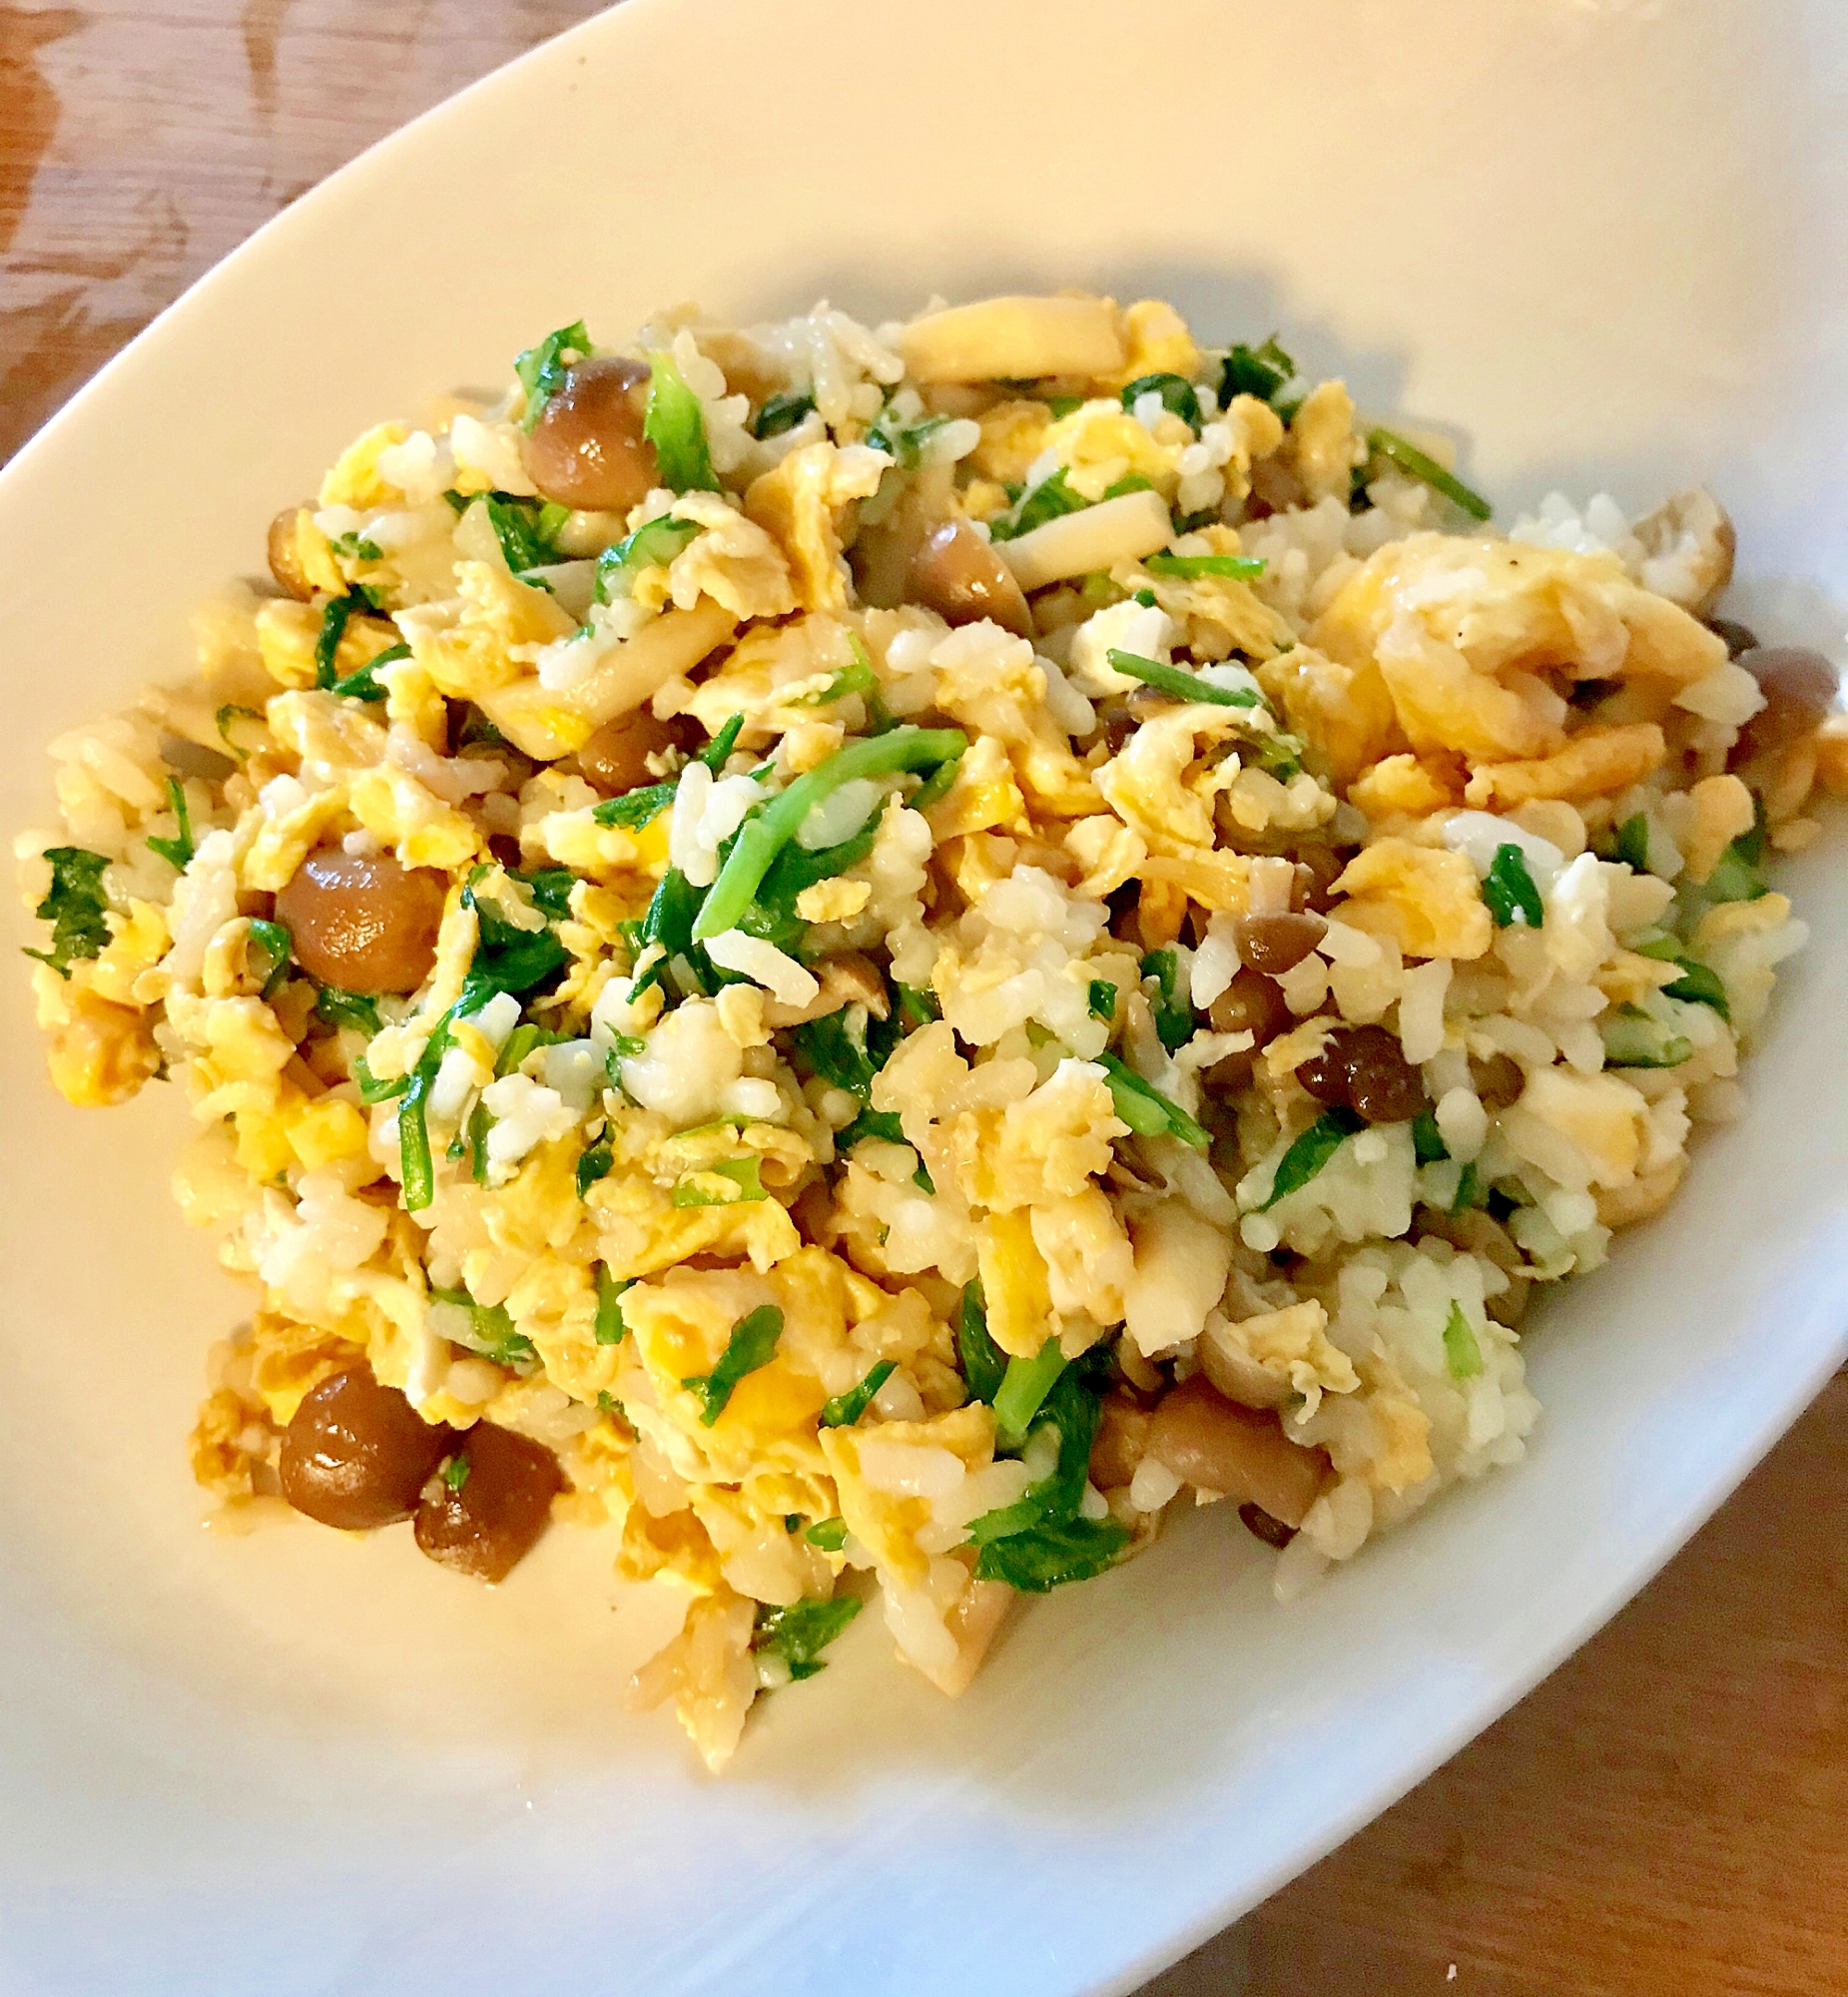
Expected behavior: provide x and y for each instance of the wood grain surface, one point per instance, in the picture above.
(1670, 1812)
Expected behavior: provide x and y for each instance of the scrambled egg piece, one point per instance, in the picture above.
(1424, 898)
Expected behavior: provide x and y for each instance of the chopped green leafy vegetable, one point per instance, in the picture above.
(347, 1008)
(229, 713)
(1635, 1039)
(782, 412)
(1047, 1557)
(1173, 1010)
(676, 425)
(801, 1632)
(73, 907)
(595, 1162)
(1237, 566)
(268, 953)
(1469, 1189)
(905, 446)
(740, 1172)
(753, 1344)
(984, 1365)
(1428, 1143)
(1461, 1354)
(1131, 482)
(1255, 370)
(371, 1090)
(1736, 876)
(1100, 999)
(722, 744)
(858, 677)
(1175, 391)
(1390, 445)
(178, 851)
(1509, 890)
(610, 1328)
(363, 684)
(1310, 1153)
(333, 628)
(1146, 1109)
(845, 1409)
(490, 1330)
(1178, 683)
(455, 1472)
(918, 1005)
(520, 527)
(828, 1533)
(1048, 500)
(637, 807)
(764, 837)
(542, 368)
(1024, 1385)
(835, 1046)
(654, 545)
(481, 1123)
(1633, 842)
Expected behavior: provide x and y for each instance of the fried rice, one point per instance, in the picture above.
(867, 956)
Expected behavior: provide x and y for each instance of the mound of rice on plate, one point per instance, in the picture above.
(867, 956)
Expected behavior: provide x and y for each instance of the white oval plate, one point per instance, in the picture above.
(1605, 242)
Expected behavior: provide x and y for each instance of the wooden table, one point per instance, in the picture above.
(1670, 1812)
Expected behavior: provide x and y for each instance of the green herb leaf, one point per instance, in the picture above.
(610, 1328)
(1390, 445)
(1461, 1354)
(721, 746)
(782, 412)
(763, 837)
(917, 1003)
(1100, 1000)
(416, 1171)
(1635, 1039)
(828, 1533)
(1699, 985)
(1178, 683)
(753, 1344)
(1048, 500)
(984, 1365)
(654, 545)
(1255, 370)
(371, 1090)
(594, 1163)
(1175, 391)
(455, 1472)
(1048, 1557)
(676, 425)
(363, 684)
(1173, 1010)
(490, 1330)
(73, 907)
(519, 528)
(334, 629)
(1469, 1189)
(672, 909)
(741, 1172)
(800, 1633)
(637, 807)
(1147, 1110)
(176, 852)
(1509, 890)
(1428, 1143)
(481, 1123)
(1026, 1383)
(347, 1008)
(271, 943)
(845, 1409)
(542, 368)
(1633, 842)
(226, 716)
(835, 1046)
(1310, 1153)
(1736, 877)
(1240, 568)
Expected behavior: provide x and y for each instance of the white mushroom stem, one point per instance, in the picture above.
(1016, 339)
(1114, 531)
(544, 723)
